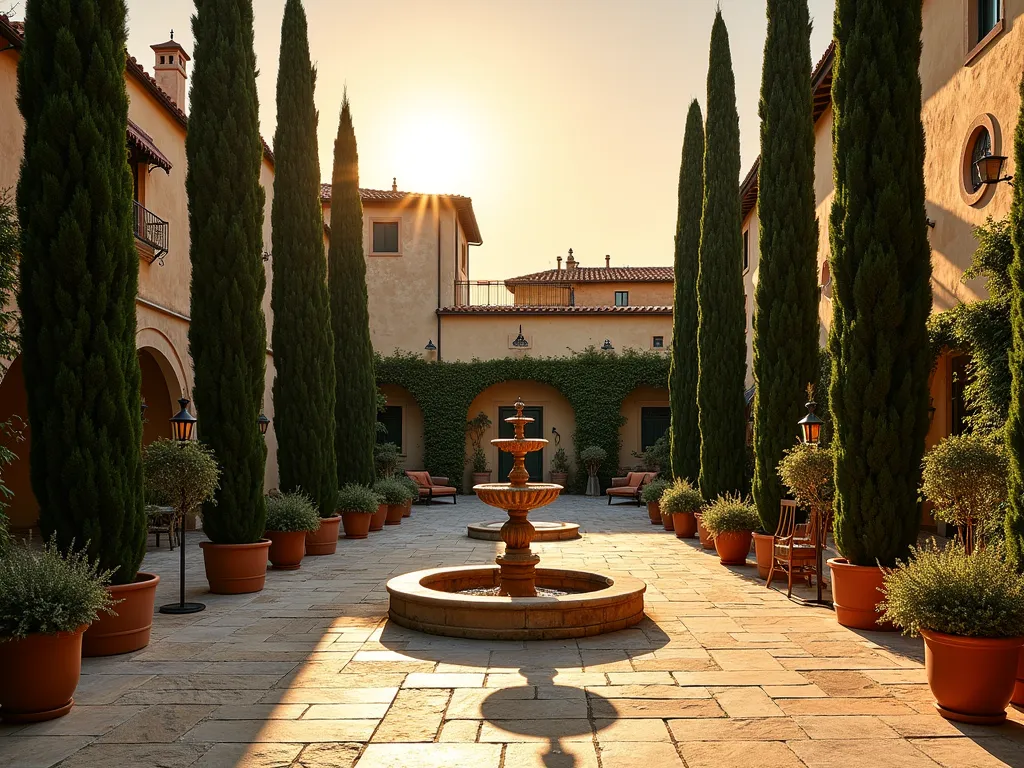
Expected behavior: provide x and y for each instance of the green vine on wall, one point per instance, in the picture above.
(594, 383)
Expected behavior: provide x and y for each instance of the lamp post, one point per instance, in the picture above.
(183, 425)
(810, 434)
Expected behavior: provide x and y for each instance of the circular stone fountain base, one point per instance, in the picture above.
(544, 531)
(427, 601)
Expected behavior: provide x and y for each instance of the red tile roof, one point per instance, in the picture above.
(598, 275)
(143, 143)
(578, 310)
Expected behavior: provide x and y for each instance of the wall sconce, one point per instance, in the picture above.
(990, 168)
(607, 346)
(520, 340)
(931, 410)
(431, 346)
(558, 437)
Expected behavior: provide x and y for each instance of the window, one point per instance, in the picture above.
(622, 298)
(982, 148)
(983, 23)
(982, 139)
(988, 16)
(391, 418)
(654, 423)
(658, 342)
(958, 380)
(385, 237)
(746, 250)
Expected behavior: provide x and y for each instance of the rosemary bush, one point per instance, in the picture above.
(353, 497)
(950, 591)
(730, 514)
(680, 496)
(289, 512)
(653, 491)
(393, 491)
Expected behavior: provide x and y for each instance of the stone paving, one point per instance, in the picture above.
(309, 674)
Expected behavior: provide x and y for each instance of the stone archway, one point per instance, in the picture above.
(157, 395)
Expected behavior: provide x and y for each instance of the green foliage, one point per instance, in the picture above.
(1014, 525)
(410, 484)
(593, 457)
(721, 342)
(476, 427)
(355, 420)
(560, 461)
(653, 491)
(949, 591)
(881, 271)
(56, 589)
(681, 497)
(394, 491)
(386, 459)
(656, 457)
(293, 511)
(685, 429)
(304, 381)
(965, 477)
(9, 257)
(479, 460)
(79, 280)
(808, 474)
(228, 333)
(353, 497)
(185, 474)
(730, 514)
(785, 325)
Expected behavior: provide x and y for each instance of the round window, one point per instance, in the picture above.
(982, 149)
(981, 140)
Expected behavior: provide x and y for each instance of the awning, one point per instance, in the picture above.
(142, 144)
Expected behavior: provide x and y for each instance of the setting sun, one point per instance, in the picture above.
(433, 151)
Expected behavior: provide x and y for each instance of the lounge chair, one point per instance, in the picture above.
(432, 487)
(630, 486)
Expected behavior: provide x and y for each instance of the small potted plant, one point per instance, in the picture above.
(414, 493)
(387, 458)
(481, 472)
(730, 520)
(560, 467)
(394, 494)
(681, 501)
(357, 503)
(592, 458)
(475, 429)
(47, 599)
(807, 472)
(970, 610)
(651, 496)
(290, 516)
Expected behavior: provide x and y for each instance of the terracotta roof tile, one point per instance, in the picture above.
(578, 310)
(598, 275)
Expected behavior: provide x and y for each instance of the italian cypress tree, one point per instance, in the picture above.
(1014, 522)
(881, 268)
(228, 334)
(79, 277)
(356, 401)
(303, 340)
(721, 343)
(684, 443)
(785, 358)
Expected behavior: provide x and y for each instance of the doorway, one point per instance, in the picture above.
(535, 460)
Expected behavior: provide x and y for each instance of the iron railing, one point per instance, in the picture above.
(152, 230)
(495, 293)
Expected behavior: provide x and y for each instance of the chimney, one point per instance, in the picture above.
(169, 70)
(394, 183)
(570, 263)
(559, 263)
(607, 261)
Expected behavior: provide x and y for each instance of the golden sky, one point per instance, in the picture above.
(562, 119)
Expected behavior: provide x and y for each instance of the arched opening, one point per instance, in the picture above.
(22, 508)
(156, 395)
(403, 420)
(646, 416)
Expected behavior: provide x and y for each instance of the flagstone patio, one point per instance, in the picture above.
(308, 673)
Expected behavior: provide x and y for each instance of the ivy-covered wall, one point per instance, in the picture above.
(594, 383)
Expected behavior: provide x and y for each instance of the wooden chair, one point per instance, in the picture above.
(163, 520)
(793, 552)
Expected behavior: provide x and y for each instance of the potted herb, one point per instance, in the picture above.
(559, 467)
(807, 472)
(290, 516)
(592, 458)
(970, 610)
(357, 503)
(395, 495)
(481, 472)
(651, 496)
(47, 599)
(387, 458)
(414, 493)
(730, 520)
(475, 429)
(681, 501)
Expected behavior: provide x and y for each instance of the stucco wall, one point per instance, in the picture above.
(751, 225)
(12, 127)
(640, 294)
(644, 396)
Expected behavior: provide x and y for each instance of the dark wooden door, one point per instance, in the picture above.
(535, 460)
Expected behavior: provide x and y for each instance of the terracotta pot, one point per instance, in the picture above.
(407, 508)
(705, 538)
(324, 540)
(971, 678)
(559, 478)
(1018, 689)
(40, 676)
(764, 548)
(129, 630)
(733, 547)
(235, 569)
(685, 525)
(286, 549)
(654, 512)
(378, 517)
(481, 477)
(666, 520)
(394, 516)
(357, 524)
(855, 593)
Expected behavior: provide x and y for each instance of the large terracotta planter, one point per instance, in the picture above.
(855, 593)
(394, 515)
(733, 547)
(705, 538)
(971, 678)
(685, 525)
(666, 520)
(40, 676)
(357, 524)
(286, 549)
(1018, 689)
(764, 549)
(654, 512)
(559, 478)
(377, 518)
(129, 630)
(235, 569)
(481, 477)
(324, 540)
(406, 508)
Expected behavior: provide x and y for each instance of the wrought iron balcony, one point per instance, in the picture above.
(496, 293)
(151, 234)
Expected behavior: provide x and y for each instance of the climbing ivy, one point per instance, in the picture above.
(593, 382)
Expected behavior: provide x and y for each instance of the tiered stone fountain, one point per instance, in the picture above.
(515, 600)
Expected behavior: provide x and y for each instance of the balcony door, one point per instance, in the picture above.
(535, 460)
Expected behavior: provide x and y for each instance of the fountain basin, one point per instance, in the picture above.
(543, 531)
(426, 601)
(511, 497)
(514, 444)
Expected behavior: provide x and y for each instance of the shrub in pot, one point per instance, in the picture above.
(475, 429)
(651, 496)
(481, 472)
(290, 516)
(970, 610)
(47, 599)
(559, 467)
(357, 503)
(395, 495)
(592, 458)
(730, 520)
(807, 472)
(414, 493)
(387, 458)
(680, 502)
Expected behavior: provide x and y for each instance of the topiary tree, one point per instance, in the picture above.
(356, 399)
(684, 431)
(184, 473)
(304, 385)
(785, 325)
(808, 474)
(79, 279)
(881, 270)
(228, 333)
(721, 346)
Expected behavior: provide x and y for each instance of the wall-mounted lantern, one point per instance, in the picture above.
(990, 169)
(520, 340)
(431, 346)
(607, 346)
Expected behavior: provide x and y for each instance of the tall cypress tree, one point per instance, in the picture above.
(228, 334)
(785, 358)
(303, 340)
(684, 442)
(881, 269)
(721, 317)
(1014, 522)
(79, 278)
(356, 401)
